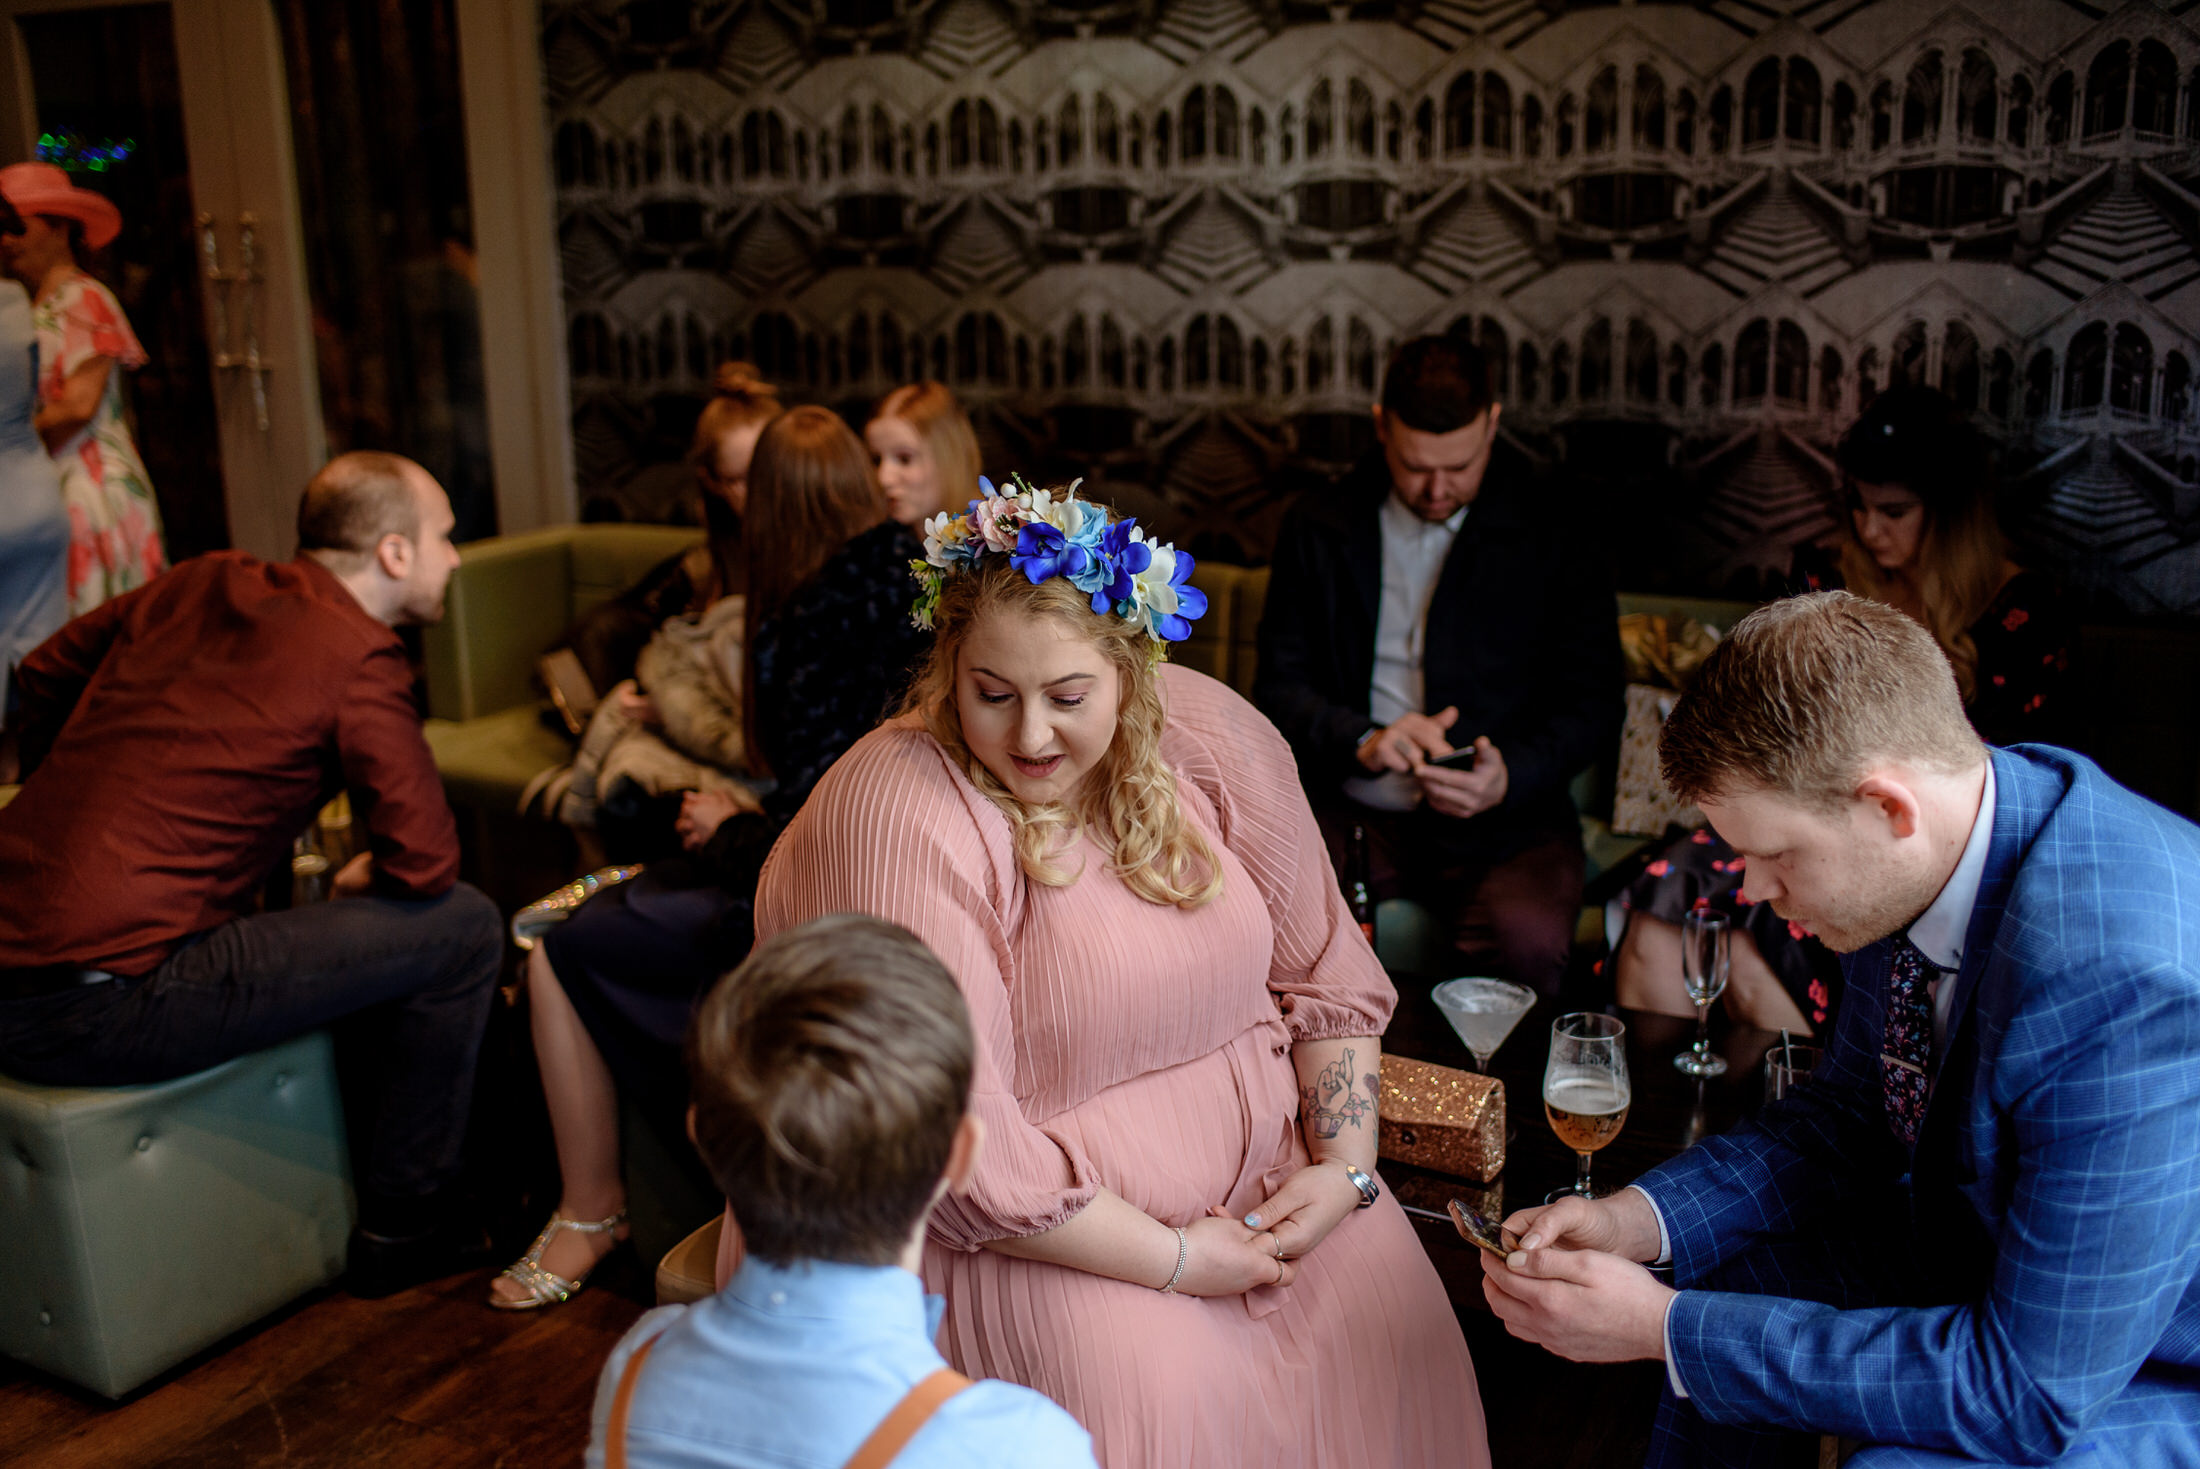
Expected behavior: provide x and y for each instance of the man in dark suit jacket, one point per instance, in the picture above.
(1973, 1237)
(1435, 600)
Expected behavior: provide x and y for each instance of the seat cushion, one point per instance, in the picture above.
(146, 1222)
(488, 761)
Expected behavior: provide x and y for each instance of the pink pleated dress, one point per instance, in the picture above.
(1146, 1049)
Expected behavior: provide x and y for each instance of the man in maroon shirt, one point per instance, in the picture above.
(176, 740)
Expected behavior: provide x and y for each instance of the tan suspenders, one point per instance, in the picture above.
(878, 1451)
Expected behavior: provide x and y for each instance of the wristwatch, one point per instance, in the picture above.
(1369, 1189)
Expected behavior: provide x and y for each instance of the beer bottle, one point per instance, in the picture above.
(1355, 889)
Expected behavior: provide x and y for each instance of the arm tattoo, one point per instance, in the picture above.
(1332, 1101)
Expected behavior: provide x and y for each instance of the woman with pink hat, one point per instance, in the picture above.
(114, 522)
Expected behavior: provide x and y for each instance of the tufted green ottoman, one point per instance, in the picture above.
(142, 1223)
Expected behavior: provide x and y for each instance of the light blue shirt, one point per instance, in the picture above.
(1938, 934)
(792, 1368)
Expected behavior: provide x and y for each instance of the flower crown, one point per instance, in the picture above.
(1146, 583)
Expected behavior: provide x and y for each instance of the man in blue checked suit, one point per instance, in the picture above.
(1974, 1236)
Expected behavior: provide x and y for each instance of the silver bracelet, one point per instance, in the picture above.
(1183, 1254)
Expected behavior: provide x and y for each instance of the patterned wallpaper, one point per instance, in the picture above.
(1167, 243)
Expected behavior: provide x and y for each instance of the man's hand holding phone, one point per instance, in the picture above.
(1468, 792)
(1405, 744)
(1572, 1284)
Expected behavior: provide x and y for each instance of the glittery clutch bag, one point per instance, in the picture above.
(1442, 1118)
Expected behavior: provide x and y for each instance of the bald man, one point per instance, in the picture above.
(176, 741)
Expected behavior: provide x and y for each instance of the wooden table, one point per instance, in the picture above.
(1669, 1113)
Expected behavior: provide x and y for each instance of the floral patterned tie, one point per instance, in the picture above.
(1906, 1055)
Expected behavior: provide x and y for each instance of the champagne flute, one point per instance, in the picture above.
(1585, 1090)
(1705, 959)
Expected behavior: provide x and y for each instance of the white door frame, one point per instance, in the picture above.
(238, 134)
(522, 294)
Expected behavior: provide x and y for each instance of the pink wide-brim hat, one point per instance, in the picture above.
(41, 188)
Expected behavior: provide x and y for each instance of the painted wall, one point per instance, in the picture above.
(1166, 244)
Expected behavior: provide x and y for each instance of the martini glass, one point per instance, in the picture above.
(1483, 1012)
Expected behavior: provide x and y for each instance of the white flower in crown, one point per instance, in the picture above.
(1165, 600)
(947, 540)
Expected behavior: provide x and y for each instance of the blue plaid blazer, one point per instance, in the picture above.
(2054, 1198)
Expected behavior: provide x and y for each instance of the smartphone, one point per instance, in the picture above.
(575, 697)
(1456, 760)
(1483, 1230)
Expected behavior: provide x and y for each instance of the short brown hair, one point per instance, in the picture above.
(1804, 694)
(829, 1073)
(1437, 385)
(357, 499)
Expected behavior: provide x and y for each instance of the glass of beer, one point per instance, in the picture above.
(1585, 1090)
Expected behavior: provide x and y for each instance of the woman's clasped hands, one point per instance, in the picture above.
(1223, 1257)
(1228, 1254)
(1312, 1201)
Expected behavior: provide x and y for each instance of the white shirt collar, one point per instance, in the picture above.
(1939, 931)
(1399, 516)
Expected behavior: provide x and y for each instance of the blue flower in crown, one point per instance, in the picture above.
(1144, 582)
(1124, 555)
(1044, 551)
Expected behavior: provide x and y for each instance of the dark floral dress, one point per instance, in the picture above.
(2023, 695)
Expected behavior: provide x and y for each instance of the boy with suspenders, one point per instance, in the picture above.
(831, 1076)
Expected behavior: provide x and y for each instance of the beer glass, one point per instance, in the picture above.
(1705, 959)
(1585, 1090)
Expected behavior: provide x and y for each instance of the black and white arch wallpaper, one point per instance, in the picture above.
(1166, 244)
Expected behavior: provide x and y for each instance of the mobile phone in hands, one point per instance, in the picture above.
(1462, 759)
(1481, 1229)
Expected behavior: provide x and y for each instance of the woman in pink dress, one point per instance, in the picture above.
(83, 338)
(1173, 1231)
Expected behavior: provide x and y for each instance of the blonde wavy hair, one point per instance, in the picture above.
(1129, 801)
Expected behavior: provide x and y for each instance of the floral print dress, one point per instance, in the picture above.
(114, 521)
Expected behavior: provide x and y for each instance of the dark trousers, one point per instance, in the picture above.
(1512, 917)
(260, 980)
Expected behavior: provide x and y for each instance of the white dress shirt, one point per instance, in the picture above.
(1413, 558)
(1939, 934)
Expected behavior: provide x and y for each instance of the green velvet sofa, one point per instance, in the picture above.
(508, 601)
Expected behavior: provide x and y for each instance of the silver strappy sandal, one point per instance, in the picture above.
(544, 1288)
